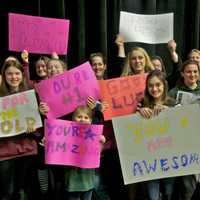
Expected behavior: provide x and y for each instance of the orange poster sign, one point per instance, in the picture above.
(122, 94)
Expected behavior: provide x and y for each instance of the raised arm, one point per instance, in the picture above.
(171, 45)
(25, 59)
(119, 41)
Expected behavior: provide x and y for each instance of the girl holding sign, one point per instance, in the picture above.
(16, 151)
(189, 82)
(79, 183)
(100, 191)
(137, 61)
(155, 101)
(54, 67)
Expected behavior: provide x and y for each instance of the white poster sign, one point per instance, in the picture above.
(17, 112)
(164, 146)
(152, 29)
(187, 97)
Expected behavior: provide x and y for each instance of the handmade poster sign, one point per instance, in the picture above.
(164, 146)
(71, 143)
(63, 93)
(122, 94)
(17, 112)
(151, 29)
(38, 34)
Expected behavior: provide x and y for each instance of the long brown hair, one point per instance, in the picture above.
(4, 87)
(149, 101)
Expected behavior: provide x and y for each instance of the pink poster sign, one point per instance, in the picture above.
(63, 93)
(71, 143)
(38, 34)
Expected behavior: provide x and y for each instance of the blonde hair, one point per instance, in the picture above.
(127, 70)
(194, 51)
(84, 109)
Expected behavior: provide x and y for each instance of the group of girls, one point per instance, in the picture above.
(157, 98)
(18, 154)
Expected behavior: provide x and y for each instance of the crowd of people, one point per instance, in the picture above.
(23, 172)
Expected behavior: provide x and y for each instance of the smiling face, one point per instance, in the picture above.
(137, 62)
(98, 67)
(190, 75)
(155, 88)
(54, 67)
(13, 77)
(41, 69)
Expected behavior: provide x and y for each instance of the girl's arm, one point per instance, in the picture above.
(171, 45)
(120, 44)
(177, 62)
(25, 59)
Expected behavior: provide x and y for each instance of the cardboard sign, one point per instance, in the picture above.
(152, 29)
(17, 112)
(122, 94)
(63, 93)
(71, 143)
(38, 34)
(164, 146)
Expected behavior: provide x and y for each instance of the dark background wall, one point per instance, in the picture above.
(94, 25)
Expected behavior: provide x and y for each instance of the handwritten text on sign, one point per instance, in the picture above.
(122, 94)
(38, 34)
(17, 112)
(70, 143)
(65, 92)
(164, 146)
(151, 29)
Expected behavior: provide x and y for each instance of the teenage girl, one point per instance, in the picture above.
(16, 152)
(189, 82)
(155, 101)
(54, 67)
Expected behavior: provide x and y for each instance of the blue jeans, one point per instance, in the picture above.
(100, 190)
(80, 195)
(153, 188)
